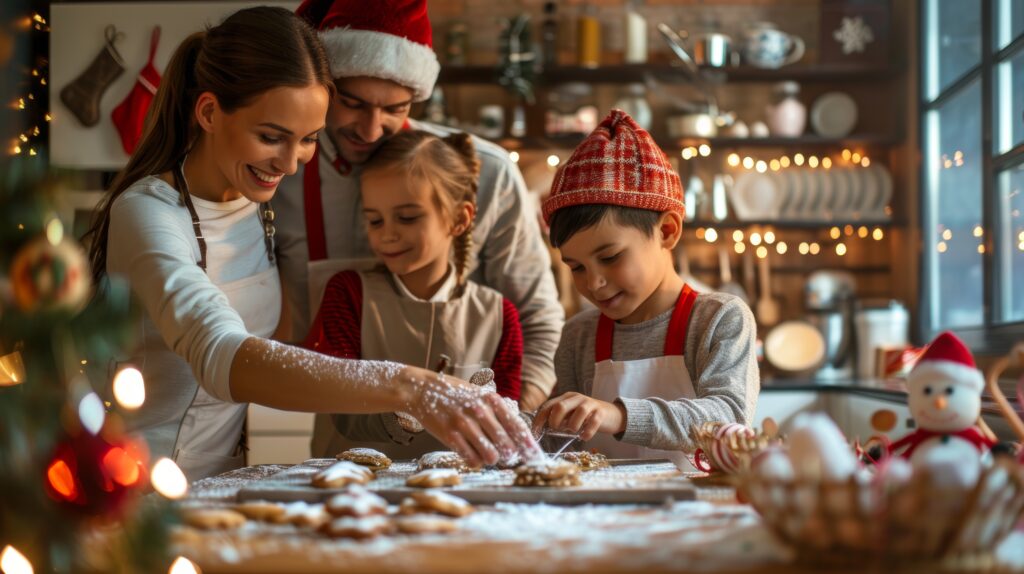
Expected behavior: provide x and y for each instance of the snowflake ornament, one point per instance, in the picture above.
(854, 35)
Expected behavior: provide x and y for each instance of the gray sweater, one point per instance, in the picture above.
(719, 356)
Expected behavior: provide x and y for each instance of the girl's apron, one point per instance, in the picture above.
(664, 377)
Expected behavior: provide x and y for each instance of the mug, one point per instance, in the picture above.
(712, 50)
(765, 46)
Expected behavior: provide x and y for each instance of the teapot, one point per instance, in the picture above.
(765, 46)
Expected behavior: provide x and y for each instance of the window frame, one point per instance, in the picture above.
(992, 336)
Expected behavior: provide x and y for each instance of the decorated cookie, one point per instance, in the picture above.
(425, 524)
(212, 518)
(368, 457)
(303, 514)
(435, 501)
(585, 460)
(547, 472)
(434, 477)
(356, 502)
(342, 473)
(262, 510)
(442, 459)
(357, 528)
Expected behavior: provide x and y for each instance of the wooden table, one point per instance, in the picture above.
(712, 534)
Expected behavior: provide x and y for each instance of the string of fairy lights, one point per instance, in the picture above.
(33, 96)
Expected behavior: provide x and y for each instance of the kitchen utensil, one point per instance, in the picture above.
(727, 285)
(571, 438)
(833, 114)
(794, 347)
(712, 49)
(749, 280)
(765, 46)
(720, 186)
(693, 197)
(828, 289)
(690, 67)
(701, 125)
(767, 309)
(836, 333)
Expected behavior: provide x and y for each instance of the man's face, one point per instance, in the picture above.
(365, 113)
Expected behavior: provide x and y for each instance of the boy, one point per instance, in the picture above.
(655, 358)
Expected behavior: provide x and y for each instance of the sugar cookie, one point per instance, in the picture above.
(442, 459)
(262, 510)
(358, 528)
(356, 502)
(425, 524)
(547, 472)
(368, 457)
(342, 473)
(585, 460)
(434, 477)
(433, 500)
(212, 518)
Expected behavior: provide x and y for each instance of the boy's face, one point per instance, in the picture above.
(618, 268)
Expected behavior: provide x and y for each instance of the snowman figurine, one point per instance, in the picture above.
(945, 401)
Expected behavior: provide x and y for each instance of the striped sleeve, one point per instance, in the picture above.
(336, 330)
(508, 360)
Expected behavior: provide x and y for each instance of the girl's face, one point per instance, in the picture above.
(406, 227)
(255, 146)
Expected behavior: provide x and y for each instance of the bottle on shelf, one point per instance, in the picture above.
(636, 35)
(549, 35)
(456, 44)
(588, 38)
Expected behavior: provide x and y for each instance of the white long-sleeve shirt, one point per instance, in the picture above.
(188, 333)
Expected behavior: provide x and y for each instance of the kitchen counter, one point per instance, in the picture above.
(712, 534)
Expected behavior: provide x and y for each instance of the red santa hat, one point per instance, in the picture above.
(618, 164)
(947, 360)
(387, 39)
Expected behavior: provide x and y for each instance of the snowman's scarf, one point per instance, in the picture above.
(913, 440)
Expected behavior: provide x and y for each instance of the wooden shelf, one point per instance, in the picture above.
(562, 142)
(807, 224)
(625, 74)
(797, 269)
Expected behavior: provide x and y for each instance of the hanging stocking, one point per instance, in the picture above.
(130, 115)
(82, 96)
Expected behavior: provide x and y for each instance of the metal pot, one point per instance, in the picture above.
(712, 49)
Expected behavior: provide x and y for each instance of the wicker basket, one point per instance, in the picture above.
(728, 454)
(854, 522)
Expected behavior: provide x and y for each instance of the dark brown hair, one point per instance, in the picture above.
(569, 221)
(448, 164)
(251, 52)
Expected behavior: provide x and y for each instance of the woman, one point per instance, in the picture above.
(189, 224)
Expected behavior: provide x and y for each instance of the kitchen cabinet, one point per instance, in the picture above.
(277, 437)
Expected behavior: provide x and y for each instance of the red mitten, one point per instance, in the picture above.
(130, 115)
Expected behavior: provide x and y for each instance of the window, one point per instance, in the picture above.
(972, 140)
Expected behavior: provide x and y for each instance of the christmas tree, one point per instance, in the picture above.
(74, 483)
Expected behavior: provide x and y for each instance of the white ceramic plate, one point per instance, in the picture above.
(833, 115)
(884, 193)
(754, 196)
(795, 347)
(795, 183)
(841, 191)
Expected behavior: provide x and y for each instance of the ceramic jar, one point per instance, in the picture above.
(786, 116)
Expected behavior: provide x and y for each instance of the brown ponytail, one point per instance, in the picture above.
(451, 167)
(253, 51)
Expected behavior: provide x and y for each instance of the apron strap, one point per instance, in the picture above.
(679, 324)
(154, 41)
(316, 241)
(675, 339)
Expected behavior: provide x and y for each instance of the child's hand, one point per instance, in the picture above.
(576, 413)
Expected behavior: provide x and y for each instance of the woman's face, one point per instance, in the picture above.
(256, 145)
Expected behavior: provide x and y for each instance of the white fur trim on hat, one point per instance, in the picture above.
(946, 371)
(382, 55)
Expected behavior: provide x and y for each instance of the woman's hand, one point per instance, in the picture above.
(477, 424)
(576, 413)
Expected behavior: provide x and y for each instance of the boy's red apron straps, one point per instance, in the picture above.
(675, 338)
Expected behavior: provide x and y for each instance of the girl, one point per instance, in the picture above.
(188, 223)
(419, 201)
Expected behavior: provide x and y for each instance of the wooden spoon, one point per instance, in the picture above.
(767, 309)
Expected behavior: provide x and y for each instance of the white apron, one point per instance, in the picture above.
(664, 377)
(208, 439)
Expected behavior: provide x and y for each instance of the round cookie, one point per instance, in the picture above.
(547, 472)
(586, 460)
(368, 457)
(262, 510)
(356, 502)
(442, 459)
(342, 473)
(212, 518)
(434, 477)
(358, 528)
(425, 524)
(303, 514)
(433, 500)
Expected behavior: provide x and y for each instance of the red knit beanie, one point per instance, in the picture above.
(618, 164)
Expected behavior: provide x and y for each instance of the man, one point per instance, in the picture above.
(382, 61)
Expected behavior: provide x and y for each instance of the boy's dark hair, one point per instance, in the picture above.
(569, 221)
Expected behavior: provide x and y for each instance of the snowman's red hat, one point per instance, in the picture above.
(947, 360)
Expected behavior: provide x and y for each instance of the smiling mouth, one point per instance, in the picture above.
(608, 300)
(395, 254)
(930, 418)
(266, 178)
